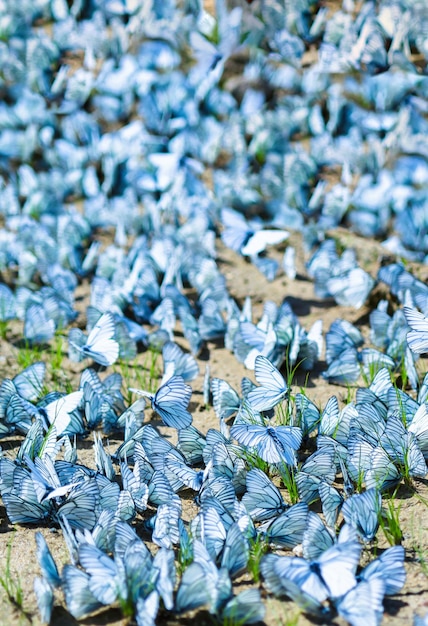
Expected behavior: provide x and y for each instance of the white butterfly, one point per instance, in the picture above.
(58, 412)
(100, 345)
(273, 387)
(259, 240)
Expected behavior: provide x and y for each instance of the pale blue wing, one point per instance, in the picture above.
(262, 499)
(337, 567)
(331, 502)
(273, 387)
(29, 382)
(226, 401)
(287, 530)
(317, 538)
(80, 600)
(192, 444)
(103, 573)
(389, 567)
(170, 403)
(417, 337)
(246, 607)
(44, 598)
(38, 327)
(177, 363)
(46, 562)
(194, 590)
(362, 512)
(236, 551)
(363, 604)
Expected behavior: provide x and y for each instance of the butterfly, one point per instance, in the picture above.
(39, 328)
(263, 500)
(178, 363)
(351, 288)
(272, 444)
(330, 575)
(419, 428)
(362, 512)
(248, 239)
(191, 443)
(318, 468)
(272, 389)
(100, 345)
(271, 567)
(331, 502)
(58, 412)
(286, 530)
(29, 382)
(342, 335)
(417, 337)
(46, 562)
(170, 402)
(317, 537)
(166, 527)
(7, 303)
(389, 567)
(44, 598)
(226, 400)
(307, 414)
(363, 604)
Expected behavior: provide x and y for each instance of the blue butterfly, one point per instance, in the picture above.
(363, 604)
(236, 551)
(46, 562)
(318, 468)
(170, 402)
(362, 511)
(29, 382)
(341, 336)
(191, 443)
(307, 414)
(79, 598)
(226, 401)
(330, 575)
(7, 304)
(39, 328)
(286, 530)
(178, 363)
(272, 444)
(44, 598)
(417, 337)
(317, 537)
(331, 502)
(389, 567)
(271, 567)
(166, 525)
(263, 500)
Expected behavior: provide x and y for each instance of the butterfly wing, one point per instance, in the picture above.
(389, 567)
(417, 337)
(363, 604)
(79, 598)
(101, 345)
(170, 402)
(29, 383)
(362, 512)
(337, 567)
(58, 411)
